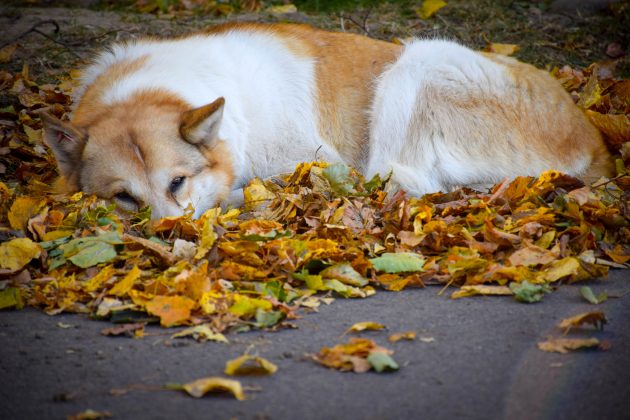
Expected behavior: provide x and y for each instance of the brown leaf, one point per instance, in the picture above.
(124, 329)
(616, 128)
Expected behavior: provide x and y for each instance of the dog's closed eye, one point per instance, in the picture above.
(125, 197)
(176, 184)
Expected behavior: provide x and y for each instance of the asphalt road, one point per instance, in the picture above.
(482, 364)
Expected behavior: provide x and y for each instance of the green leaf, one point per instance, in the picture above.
(266, 319)
(382, 362)
(588, 294)
(345, 273)
(527, 292)
(91, 250)
(313, 281)
(338, 176)
(11, 298)
(276, 289)
(376, 183)
(398, 262)
(93, 253)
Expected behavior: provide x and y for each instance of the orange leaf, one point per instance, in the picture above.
(172, 310)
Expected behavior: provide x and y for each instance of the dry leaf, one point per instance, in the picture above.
(201, 333)
(596, 318)
(16, 253)
(407, 335)
(564, 345)
(250, 365)
(366, 325)
(172, 310)
(503, 49)
(201, 387)
(429, 8)
(473, 290)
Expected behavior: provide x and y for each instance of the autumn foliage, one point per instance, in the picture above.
(321, 231)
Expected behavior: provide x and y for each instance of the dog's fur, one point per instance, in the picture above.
(180, 122)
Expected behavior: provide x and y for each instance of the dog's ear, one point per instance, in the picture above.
(65, 140)
(201, 125)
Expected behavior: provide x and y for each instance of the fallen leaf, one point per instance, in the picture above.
(596, 318)
(588, 294)
(214, 384)
(201, 333)
(382, 362)
(407, 335)
(124, 329)
(529, 293)
(250, 365)
(282, 9)
(429, 8)
(398, 262)
(345, 273)
(564, 345)
(480, 289)
(16, 253)
(172, 310)
(503, 49)
(124, 286)
(6, 53)
(366, 325)
(11, 298)
(90, 415)
(351, 356)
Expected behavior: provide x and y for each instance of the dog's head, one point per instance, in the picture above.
(150, 150)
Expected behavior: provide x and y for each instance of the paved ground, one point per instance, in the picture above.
(483, 364)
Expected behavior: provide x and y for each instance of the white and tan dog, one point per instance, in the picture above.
(179, 122)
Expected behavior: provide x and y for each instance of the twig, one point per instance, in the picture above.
(34, 29)
(361, 25)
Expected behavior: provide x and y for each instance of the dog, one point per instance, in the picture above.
(184, 122)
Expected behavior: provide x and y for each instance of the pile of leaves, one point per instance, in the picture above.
(300, 238)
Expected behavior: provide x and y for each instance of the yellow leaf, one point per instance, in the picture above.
(366, 325)
(429, 8)
(245, 306)
(124, 286)
(257, 195)
(473, 290)
(282, 9)
(202, 386)
(591, 94)
(172, 310)
(22, 209)
(18, 252)
(597, 318)
(407, 335)
(562, 268)
(6, 53)
(564, 345)
(95, 282)
(201, 333)
(208, 235)
(250, 365)
(503, 49)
